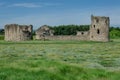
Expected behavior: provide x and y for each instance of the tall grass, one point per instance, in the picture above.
(60, 60)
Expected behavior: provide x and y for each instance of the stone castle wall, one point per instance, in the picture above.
(65, 37)
(80, 36)
(15, 32)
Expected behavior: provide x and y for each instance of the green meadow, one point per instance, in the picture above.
(60, 60)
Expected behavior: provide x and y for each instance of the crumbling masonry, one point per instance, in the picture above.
(15, 32)
(99, 31)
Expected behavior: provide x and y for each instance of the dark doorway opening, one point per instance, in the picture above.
(98, 31)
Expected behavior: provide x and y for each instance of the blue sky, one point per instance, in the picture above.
(57, 12)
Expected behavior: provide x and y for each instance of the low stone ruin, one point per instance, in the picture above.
(43, 31)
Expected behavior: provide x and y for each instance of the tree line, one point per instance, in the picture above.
(1, 31)
(69, 29)
(114, 32)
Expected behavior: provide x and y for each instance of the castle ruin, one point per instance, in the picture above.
(15, 32)
(99, 31)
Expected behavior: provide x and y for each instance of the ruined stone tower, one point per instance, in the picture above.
(99, 29)
(15, 32)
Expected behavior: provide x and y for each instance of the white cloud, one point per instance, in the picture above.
(27, 5)
(33, 5)
(51, 4)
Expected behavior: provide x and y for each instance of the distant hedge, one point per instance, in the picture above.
(69, 29)
(1, 37)
(115, 32)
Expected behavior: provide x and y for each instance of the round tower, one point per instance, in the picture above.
(99, 30)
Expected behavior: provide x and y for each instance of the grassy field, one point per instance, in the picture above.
(60, 60)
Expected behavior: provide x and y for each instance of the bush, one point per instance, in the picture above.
(1, 37)
(115, 33)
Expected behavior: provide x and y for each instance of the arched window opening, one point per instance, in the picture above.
(98, 31)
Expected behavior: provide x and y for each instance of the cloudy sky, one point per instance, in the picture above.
(57, 12)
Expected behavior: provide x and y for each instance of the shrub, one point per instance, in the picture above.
(1, 37)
